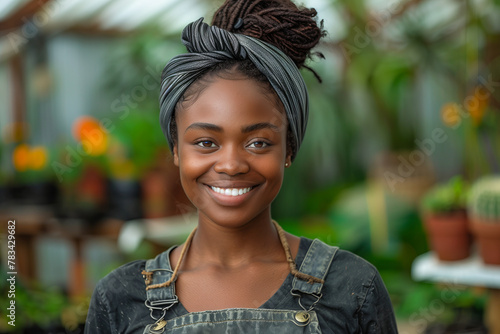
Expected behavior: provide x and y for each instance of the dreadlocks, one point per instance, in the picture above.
(278, 22)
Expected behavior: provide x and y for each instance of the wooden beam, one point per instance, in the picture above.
(18, 92)
(15, 19)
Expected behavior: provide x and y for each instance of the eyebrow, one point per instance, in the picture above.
(204, 126)
(245, 129)
(259, 126)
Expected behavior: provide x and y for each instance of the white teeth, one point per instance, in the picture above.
(231, 191)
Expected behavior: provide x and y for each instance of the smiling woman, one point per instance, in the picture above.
(234, 110)
(231, 138)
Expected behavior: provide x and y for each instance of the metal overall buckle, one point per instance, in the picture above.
(159, 325)
(304, 317)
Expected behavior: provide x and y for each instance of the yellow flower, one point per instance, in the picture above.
(37, 157)
(476, 104)
(450, 114)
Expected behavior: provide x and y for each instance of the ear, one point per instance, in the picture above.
(288, 160)
(176, 155)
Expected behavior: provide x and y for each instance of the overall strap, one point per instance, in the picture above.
(157, 271)
(316, 263)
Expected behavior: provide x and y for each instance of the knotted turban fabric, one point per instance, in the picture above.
(209, 45)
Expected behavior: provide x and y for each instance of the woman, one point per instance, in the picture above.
(234, 111)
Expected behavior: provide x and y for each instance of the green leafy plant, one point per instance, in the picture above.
(484, 198)
(447, 197)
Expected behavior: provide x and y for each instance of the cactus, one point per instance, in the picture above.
(484, 199)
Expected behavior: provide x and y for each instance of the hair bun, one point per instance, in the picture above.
(281, 23)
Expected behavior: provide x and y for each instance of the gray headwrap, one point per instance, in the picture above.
(208, 46)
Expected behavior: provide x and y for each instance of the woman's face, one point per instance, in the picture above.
(231, 151)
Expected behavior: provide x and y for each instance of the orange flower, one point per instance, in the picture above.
(83, 126)
(91, 135)
(21, 157)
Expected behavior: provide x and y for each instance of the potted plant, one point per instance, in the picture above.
(30, 179)
(484, 209)
(445, 220)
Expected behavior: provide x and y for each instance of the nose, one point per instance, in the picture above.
(232, 161)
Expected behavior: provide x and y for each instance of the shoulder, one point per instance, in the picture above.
(124, 281)
(343, 262)
(354, 297)
(348, 275)
(128, 270)
(127, 282)
(348, 263)
(353, 277)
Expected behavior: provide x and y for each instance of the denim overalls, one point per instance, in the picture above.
(239, 320)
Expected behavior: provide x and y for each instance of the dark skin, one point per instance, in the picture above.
(231, 151)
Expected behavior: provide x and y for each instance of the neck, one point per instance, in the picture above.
(231, 247)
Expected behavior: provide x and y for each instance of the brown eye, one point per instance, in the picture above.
(258, 144)
(206, 144)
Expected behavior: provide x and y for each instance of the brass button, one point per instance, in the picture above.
(302, 316)
(159, 327)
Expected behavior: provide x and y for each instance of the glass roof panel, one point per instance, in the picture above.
(9, 6)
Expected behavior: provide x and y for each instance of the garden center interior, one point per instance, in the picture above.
(403, 130)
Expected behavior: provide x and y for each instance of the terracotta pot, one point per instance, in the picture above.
(487, 234)
(448, 235)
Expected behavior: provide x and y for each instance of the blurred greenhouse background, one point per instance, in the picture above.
(409, 99)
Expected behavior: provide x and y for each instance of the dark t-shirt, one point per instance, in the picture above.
(354, 299)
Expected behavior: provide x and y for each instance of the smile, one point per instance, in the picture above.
(231, 191)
